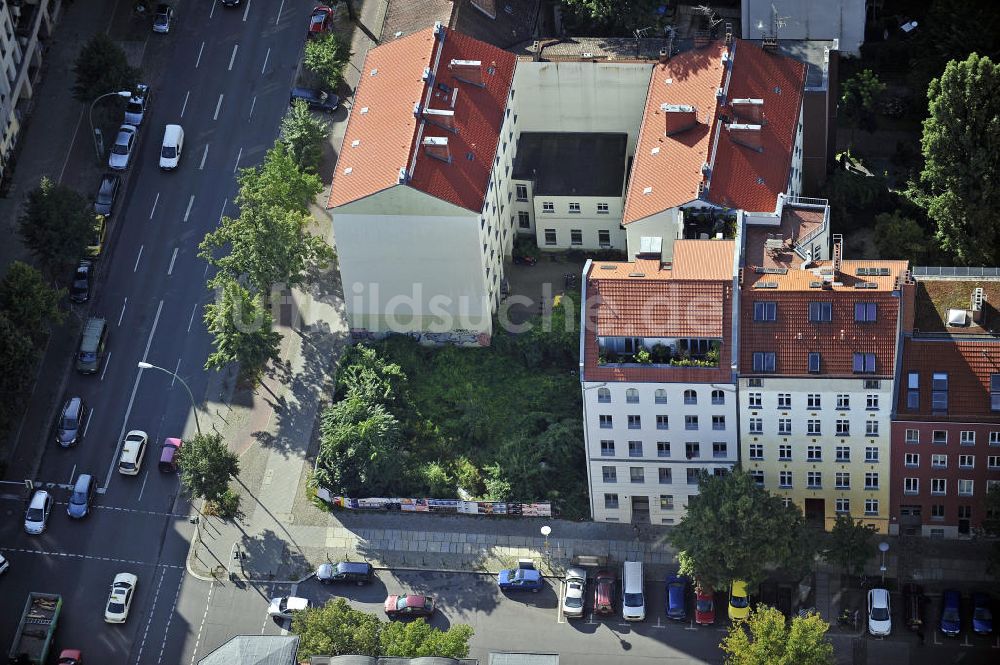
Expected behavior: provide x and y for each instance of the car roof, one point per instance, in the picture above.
(125, 577)
(353, 566)
(38, 497)
(880, 596)
(73, 404)
(82, 481)
(173, 442)
(740, 587)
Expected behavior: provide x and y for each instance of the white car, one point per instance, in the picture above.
(284, 607)
(121, 151)
(135, 111)
(133, 450)
(120, 598)
(879, 613)
(573, 594)
(37, 515)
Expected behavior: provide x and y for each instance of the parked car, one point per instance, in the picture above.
(285, 606)
(4, 564)
(230, 3)
(100, 234)
(604, 592)
(320, 21)
(409, 606)
(36, 518)
(79, 290)
(704, 606)
(676, 607)
(107, 193)
(520, 579)
(164, 18)
(317, 100)
(133, 450)
(135, 110)
(575, 590)
(739, 601)
(982, 613)
(121, 151)
(879, 612)
(633, 594)
(345, 572)
(913, 606)
(70, 657)
(951, 613)
(71, 423)
(82, 496)
(120, 598)
(168, 455)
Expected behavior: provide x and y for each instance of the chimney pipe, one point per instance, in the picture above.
(437, 147)
(746, 135)
(468, 71)
(664, 56)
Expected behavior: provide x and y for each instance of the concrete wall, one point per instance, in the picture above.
(588, 221)
(665, 225)
(808, 19)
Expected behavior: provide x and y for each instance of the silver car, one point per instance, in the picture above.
(37, 516)
(121, 151)
(135, 110)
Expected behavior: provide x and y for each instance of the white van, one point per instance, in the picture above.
(633, 599)
(173, 146)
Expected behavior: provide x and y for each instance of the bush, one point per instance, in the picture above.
(227, 506)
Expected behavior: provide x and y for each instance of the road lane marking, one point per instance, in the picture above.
(232, 58)
(116, 508)
(142, 489)
(208, 605)
(185, 104)
(218, 106)
(238, 156)
(223, 211)
(266, 56)
(246, 11)
(211, 12)
(155, 201)
(253, 103)
(89, 557)
(198, 61)
(191, 320)
(72, 473)
(173, 258)
(176, 369)
(137, 259)
(107, 361)
(152, 609)
(280, 7)
(122, 315)
(170, 616)
(203, 158)
(188, 211)
(87, 426)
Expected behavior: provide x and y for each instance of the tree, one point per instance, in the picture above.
(733, 529)
(28, 300)
(102, 67)
(278, 182)
(360, 449)
(617, 16)
(206, 466)
(57, 225)
(336, 629)
(18, 355)
(899, 237)
(961, 152)
(418, 638)
(241, 326)
(304, 133)
(860, 94)
(765, 639)
(991, 526)
(327, 57)
(851, 544)
(365, 373)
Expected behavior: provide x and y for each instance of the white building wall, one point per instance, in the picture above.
(588, 221)
(667, 225)
(795, 174)
(808, 19)
(667, 497)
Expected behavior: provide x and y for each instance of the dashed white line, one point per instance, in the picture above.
(280, 7)
(185, 104)
(204, 156)
(218, 106)
(198, 61)
(211, 12)
(246, 11)
(73, 472)
(155, 201)
(170, 616)
(191, 320)
(187, 212)
(238, 156)
(107, 361)
(176, 370)
(173, 258)
(208, 604)
(90, 416)
(266, 56)
(149, 622)
(232, 58)
(253, 103)
(223, 211)
(89, 557)
(142, 489)
(122, 315)
(136, 268)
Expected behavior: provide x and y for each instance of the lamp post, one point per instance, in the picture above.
(145, 365)
(96, 133)
(883, 547)
(546, 530)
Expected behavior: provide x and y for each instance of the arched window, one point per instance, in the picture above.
(718, 397)
(690, 397)
(603, 395)
(661, 396)
(632, 396)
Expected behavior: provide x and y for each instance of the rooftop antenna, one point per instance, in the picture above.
(769, 40)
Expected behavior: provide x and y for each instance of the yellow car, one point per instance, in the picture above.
(739, 601)
(100, 232)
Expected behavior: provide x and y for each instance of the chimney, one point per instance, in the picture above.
(664, 56)
(468, 71)
(437, 147)
(978, 298)
(746, 135)
(749, 110)
(838, 252)
(679, 118)
(445, 119)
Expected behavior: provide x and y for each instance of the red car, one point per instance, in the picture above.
(320, 21)
(70, 657)
(409, 606)
(604, 592)
(704, 606)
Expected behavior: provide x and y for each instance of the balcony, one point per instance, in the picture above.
(637, 352)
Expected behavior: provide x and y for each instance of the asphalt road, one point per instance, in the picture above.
(224, 75)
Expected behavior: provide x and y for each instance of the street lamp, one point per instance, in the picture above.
(145, 365)
(546, 530)
(883, 547)
(95, 132)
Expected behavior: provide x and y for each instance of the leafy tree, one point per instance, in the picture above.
(327, 57)
(336, 629)
(102, 67)
(28, 300)
(206, 466)
(359, 450)
(860, 94)
(278, 182)
(616, 16)
(242, 329)
(414, 639)
(851, 544)
(764, 638)
(991, 526)
(57, 225)
(18, 355)
(366, 373)
(733, 529)
(899, 237)
(304, 133)
(962, 159)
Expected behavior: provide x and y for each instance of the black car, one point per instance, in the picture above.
(72, 421)
(79, 291)
(350, 572)
(107, 193)
(319, 100)
(230, 3)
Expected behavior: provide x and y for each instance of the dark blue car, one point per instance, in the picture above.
(982, 614)
(951, 613)
(676, 594)
(520, 579)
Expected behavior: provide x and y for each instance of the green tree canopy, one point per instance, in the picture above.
(764, 638)
(206, 466)
(102, 67)
(326, 57)
(57, 224)
(241, 329)
(851, 544)
(278, 182)
(336, 629)
(28, 300)
(360, 449)
(961, 149)
(991, 526)
(860, 93)
(413, 639)
(733, 529)
(304, 133)
(365, 373)
(18, 355)
(899, 237)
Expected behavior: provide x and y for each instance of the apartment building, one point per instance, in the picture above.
(946, 422)
(659, 400)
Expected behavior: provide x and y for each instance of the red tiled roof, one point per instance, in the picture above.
(968, 363)
(778, 80)
(388, 131)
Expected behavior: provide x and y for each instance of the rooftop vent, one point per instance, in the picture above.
(873, 272)
(437, 147)
(746, 135)
(416, 110)
(720, 94)
(815, 285)
(750, 110)
(865, 285)
(427, 76)
(766, 285)
(647, 190)
(403, 176)
(664, 55)
(637, 274)
(765, 270)
(468, 71)
(609, 267)
(957, 318)
(978, 300)
(679, 118)
(439, 30)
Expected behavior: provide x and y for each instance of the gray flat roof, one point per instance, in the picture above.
(568, 163)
